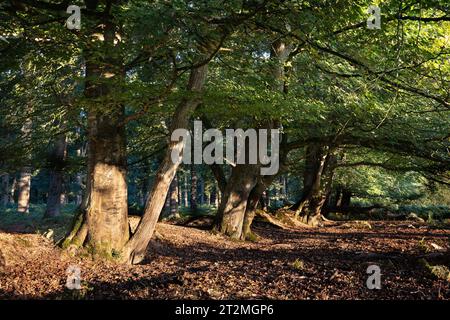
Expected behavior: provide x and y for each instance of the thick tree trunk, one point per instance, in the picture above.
(103, 221)
(322, 164)
(107, 214)
(57, 159)
(279, 53)
(231, 211)
(245, 186)
(134, 250)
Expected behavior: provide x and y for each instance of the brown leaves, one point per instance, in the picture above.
(187, 263)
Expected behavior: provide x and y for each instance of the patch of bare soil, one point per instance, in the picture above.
(189, 263)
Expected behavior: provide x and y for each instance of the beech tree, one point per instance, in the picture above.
(343, 99)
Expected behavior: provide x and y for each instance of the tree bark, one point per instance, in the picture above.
(13, 190)
(103, 222)
(231, 213)
(219, 176)
(194, 179)
(4, 190)
(24, 184)
(201, 197)
(213, 196)
(24, 187)
(252, 203)
(346, 198)
(279, 53)
(173, 197)
(134, 251)
(185, 192)
(320, 165)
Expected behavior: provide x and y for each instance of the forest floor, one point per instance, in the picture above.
(190, 263)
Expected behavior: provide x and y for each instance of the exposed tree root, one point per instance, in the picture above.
(283, 219)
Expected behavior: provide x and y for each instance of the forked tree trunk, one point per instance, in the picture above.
(279, 53)
(57, 159)
(230, 216)
(322, 164)
(314, 162)
(134, 251)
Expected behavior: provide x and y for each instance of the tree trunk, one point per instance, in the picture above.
(24, 184)
(346, 198)
(134, 250)
(4, 190)
(252, 203)
(103, 227)
(201, 197)
(79, 195)
(319, 187)
(213, 196)
(279, 53)
(178, 191)
(185, 192)
(13, 190)
(174, 197)
(81, 152)
(57, 159)
(219, 176)
(24, 187)
(193, 200)
(337, 199)
(230, 216)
